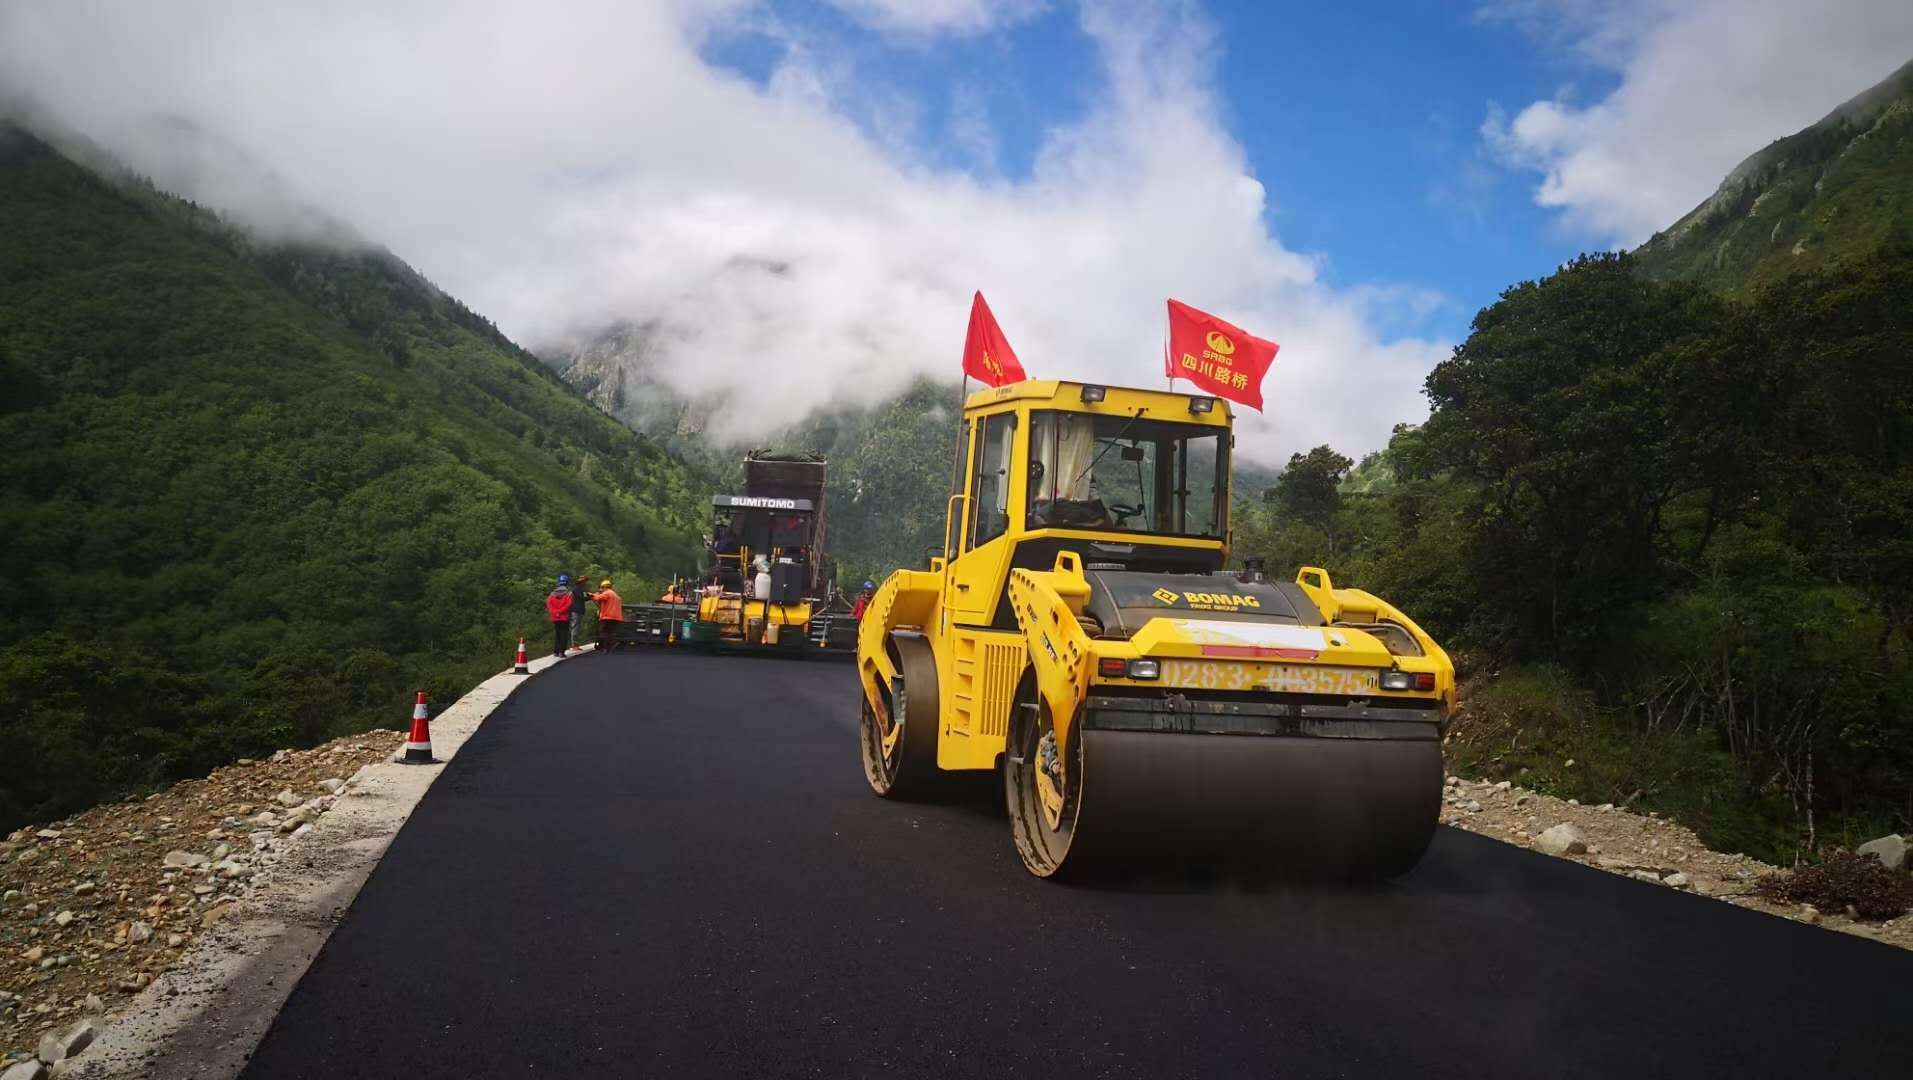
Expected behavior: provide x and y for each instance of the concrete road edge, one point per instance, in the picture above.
(205, 1016)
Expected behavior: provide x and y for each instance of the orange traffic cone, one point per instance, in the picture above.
(519, 664)
(418, 746)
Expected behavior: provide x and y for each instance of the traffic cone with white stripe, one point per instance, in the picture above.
(519, 665)
(418, 746)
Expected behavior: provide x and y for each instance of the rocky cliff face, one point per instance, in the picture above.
(1841, 187)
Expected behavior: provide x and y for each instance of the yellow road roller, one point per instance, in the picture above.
(1081, 636)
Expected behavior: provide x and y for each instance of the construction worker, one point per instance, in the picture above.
(610, 615)
(558, 606)
(578, 597)
(863, 600)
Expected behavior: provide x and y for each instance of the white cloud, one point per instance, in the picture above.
(1702, 85)
(939, 16)
(580, 163)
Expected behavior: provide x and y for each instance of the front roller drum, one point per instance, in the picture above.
(1294, 806)
(900, 757)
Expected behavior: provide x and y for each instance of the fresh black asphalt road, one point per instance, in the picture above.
(661, 863)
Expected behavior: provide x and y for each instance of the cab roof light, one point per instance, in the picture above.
(1200, 405)
(1093, 395)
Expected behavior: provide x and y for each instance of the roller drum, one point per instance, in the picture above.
(1344, 807)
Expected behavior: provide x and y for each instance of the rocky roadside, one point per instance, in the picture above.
(1645, 847)
(93, 908)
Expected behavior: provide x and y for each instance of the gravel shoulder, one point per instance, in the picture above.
(162, 934)
(1645, 847)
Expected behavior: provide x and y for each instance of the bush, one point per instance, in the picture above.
(1844, 879)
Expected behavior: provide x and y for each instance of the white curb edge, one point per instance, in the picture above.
(205, 1016)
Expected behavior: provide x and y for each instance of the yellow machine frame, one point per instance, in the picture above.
(979, 666)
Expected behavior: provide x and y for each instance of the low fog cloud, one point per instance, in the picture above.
(1702, 85)
(577, 163)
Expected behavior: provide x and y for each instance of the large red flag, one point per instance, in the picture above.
(1221, 358)
(986, 352)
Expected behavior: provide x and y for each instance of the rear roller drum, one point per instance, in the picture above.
(899, 757)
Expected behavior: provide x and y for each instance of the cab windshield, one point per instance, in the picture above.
(1126, 474)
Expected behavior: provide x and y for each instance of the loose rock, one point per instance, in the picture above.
(186, 858)
(1562, 839)
(57, 1046)
(1890, 850)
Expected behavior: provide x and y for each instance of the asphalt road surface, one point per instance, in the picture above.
(660, 863)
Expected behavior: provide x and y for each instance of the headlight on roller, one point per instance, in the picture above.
(1145, 669)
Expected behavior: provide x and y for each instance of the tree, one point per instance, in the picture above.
(1569, 409)
(1309, 489)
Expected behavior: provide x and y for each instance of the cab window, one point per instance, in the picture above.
(990, 483)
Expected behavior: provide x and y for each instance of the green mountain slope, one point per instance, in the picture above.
(1834, 192)
(253, 496)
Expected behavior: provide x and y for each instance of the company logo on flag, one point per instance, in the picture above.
(987, 355)
(1218, 357)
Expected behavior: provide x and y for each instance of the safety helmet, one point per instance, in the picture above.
(564, 579)
(870, 584)
(605, 584)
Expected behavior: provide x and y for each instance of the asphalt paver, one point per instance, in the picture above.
(662, 863)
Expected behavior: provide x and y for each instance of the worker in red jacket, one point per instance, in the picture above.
(558, 605)
(863, 600)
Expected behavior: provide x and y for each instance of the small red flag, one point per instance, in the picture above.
(1223, 359)
(986, 352)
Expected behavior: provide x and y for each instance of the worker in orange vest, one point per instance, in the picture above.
(610, 615)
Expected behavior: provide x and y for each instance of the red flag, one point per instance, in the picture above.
(1225, 360)
(986, 352)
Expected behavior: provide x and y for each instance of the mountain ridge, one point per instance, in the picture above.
(1836, 189)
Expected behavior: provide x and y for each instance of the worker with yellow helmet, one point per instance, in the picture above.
(610, 615)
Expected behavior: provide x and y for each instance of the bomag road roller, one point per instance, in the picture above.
(1080, 634)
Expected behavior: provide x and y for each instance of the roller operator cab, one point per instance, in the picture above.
(1081, 634)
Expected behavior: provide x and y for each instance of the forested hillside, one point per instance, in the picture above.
(253, 496)
(1837, 190)
(1668, 532)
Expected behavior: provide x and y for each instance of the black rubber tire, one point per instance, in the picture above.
(910, 769)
